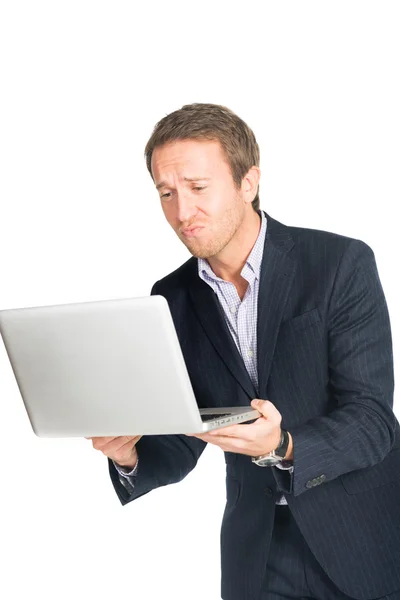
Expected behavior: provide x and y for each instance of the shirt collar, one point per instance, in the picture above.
(253, 260)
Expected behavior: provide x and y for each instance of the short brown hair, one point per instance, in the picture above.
(215, 123)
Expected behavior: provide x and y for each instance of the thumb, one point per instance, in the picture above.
(258, 404)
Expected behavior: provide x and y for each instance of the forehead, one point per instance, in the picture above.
(204, 156)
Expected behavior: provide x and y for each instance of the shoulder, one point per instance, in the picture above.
(318, 244)
(177, 280)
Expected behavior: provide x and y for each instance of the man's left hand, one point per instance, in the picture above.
(256, 439)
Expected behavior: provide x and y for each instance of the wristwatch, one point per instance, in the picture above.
(276, 456)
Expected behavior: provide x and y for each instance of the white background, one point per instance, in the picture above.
(82, 85)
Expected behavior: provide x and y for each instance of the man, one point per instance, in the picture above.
(296, 319)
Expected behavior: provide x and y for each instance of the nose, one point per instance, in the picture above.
(186, 209)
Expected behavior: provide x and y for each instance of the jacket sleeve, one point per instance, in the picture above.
(164, 459)
(360, 431)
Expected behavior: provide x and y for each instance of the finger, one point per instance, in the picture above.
(100, 443)
(130, 438)
(117, 443)
(124, 451)
(226, 444)
(102, 439)
(243, 430)
(233, 431)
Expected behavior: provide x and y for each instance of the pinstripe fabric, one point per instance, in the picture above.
(292, 570)
(241, 315)
(325, 360)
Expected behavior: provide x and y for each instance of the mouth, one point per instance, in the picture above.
(191, 231)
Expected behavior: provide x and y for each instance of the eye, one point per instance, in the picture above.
(167, 195)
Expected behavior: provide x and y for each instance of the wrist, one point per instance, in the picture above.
(289, 453)
(130, 464)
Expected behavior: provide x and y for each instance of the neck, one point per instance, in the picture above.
(228, 264)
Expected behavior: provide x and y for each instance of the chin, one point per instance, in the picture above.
(202, 250)
(203, 255)
(197, 252)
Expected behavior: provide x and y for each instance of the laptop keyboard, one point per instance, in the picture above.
(212, 417)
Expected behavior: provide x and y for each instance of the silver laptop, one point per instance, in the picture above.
(106, 368)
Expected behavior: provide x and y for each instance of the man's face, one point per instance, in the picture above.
(196, 188)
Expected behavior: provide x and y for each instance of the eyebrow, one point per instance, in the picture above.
(164, 183)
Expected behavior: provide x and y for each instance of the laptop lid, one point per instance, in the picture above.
(101, 368)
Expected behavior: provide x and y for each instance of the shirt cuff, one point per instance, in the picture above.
(123, 470)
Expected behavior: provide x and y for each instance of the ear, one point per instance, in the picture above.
(250, 183)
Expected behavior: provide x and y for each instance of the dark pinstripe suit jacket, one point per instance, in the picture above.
(325, 360)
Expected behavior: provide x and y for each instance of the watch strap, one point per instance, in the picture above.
(280, 451)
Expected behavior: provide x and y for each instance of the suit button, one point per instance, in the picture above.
(310, 484)
(268, 492)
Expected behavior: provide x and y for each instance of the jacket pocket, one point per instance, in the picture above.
(301, 321)
(387, 471)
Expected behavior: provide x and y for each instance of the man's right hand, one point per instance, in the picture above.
(119, 449)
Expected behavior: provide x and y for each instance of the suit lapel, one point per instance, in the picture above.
(276, 277)
(211, 317)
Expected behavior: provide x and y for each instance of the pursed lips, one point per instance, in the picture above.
(190, 231)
